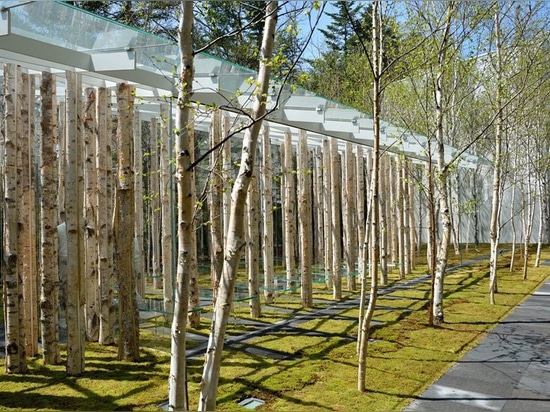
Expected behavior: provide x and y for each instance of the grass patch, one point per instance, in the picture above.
(286, 368)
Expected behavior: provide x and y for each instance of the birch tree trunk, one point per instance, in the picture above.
(194, 298)
(227, 166)
(27, 228)
(186, 264)
(400, 197)
(104, 217)
(327, 215)
(373, 230)
(215, 202)
(138, 190)
(124, 218)
(336, 219)
(253, 249)
(49, 281)
(494, 228)
(289, 212)
(91, 245)
(75, 228)
(318, 211)
(542, 217)
(410, 223)
(305, 217)
(360, 201)
(235, 241)
(16, 360)
(165, 211)
(442, 175)
(527, 217)
(383, 174)
(267, 212)
(155, 206)
(349, 193)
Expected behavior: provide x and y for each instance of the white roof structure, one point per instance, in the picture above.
(56, 37)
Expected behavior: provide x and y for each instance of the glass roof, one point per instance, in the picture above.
(55, 36)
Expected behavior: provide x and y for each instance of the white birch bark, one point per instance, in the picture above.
(360, 201)
(305, 217)
(494, 228)
(318, 209)
(267, 212)
(400, 197)
(186, 262)
(104, 217)
(373, 230)
(124, 218)
(16, 361)
(227, 167)
(154, 195)
(350, 209)
(215, 202)
(235, 241)
(336, 217)
(383, 221)
(253, 249)
(194, 298)
(92, 307)
(49, 281)
(410, 225)
(442, 175)
(27, 225)
(138, 190)
(327, 215)
(165, 211)
(75, 228)
(289, 212)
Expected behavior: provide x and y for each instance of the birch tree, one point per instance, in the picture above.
(124, 218)
(253, 249)
(289, 210)
(165, 210)
(16, 360)
(75, 228)
(442, 168)
(104, 208)
(138, 191)
(372, 239)
(91, 241)
(267, 212)
(215, 202)
(186, 263)
(27, 228)
(235, 239)
(305, 218)
(49, 281)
